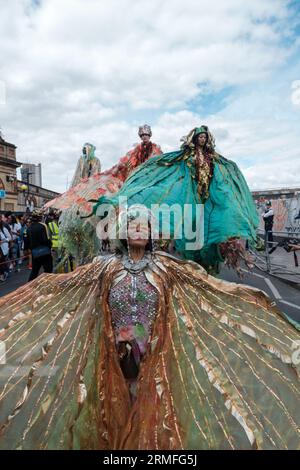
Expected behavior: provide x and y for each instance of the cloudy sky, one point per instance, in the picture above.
(77, 71)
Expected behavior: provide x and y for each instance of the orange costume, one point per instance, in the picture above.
(133, 159)
(108, 181)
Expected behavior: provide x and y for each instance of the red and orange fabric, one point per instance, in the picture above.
(109, 181)
(140, 154)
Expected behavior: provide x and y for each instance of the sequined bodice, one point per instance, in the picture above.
(201, 166)
(133, 301)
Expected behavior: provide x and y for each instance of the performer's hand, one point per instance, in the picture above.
(233, 251)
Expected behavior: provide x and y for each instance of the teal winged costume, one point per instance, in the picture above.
(194, 176)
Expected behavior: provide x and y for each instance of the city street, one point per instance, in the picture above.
(14, 281)
(286, 297)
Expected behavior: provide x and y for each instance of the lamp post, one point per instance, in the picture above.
(25, 187)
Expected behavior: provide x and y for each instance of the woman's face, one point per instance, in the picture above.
(86, 152)
(145, 138)
(138, 235)
(201, 139)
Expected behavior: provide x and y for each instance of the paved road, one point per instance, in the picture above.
(14, 281)
(286, 297)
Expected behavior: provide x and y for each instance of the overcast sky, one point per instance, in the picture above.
(77, 71)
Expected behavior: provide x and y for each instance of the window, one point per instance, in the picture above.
(8, 206)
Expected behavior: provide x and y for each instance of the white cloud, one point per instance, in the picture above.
(257, 148)
(90, 70)
(295, 97)
(2, 93)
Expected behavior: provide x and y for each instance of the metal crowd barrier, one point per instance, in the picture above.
(287, 240)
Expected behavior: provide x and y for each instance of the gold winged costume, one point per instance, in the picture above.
(218, 372)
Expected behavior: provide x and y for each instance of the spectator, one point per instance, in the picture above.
(24, 238)
(6, 219)
(5, 238)
(15, 228)
(40, 246)
(52, 223)
(268, 217)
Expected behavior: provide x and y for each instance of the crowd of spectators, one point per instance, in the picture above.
(13, 243)
(23, 242)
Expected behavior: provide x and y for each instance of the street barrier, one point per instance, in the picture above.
(289, 241)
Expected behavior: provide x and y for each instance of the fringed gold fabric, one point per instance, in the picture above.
(218, 373)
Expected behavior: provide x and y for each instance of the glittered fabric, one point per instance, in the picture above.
(204, 170)
(218, 373)
(133, 304)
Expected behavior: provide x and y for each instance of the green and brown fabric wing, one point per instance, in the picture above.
(221, 374)
(49, 377)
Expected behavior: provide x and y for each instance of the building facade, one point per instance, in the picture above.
(32, 197)
(8, 177)
(20, 196)
(32, 174)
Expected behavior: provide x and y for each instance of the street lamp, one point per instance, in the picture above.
(25, 187)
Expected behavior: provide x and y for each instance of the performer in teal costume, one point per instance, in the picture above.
(193, 175)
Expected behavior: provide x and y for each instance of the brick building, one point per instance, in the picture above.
(8, 176)
(18, 196)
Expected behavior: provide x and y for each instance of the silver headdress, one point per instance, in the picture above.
(145, 129)
(123, 223)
